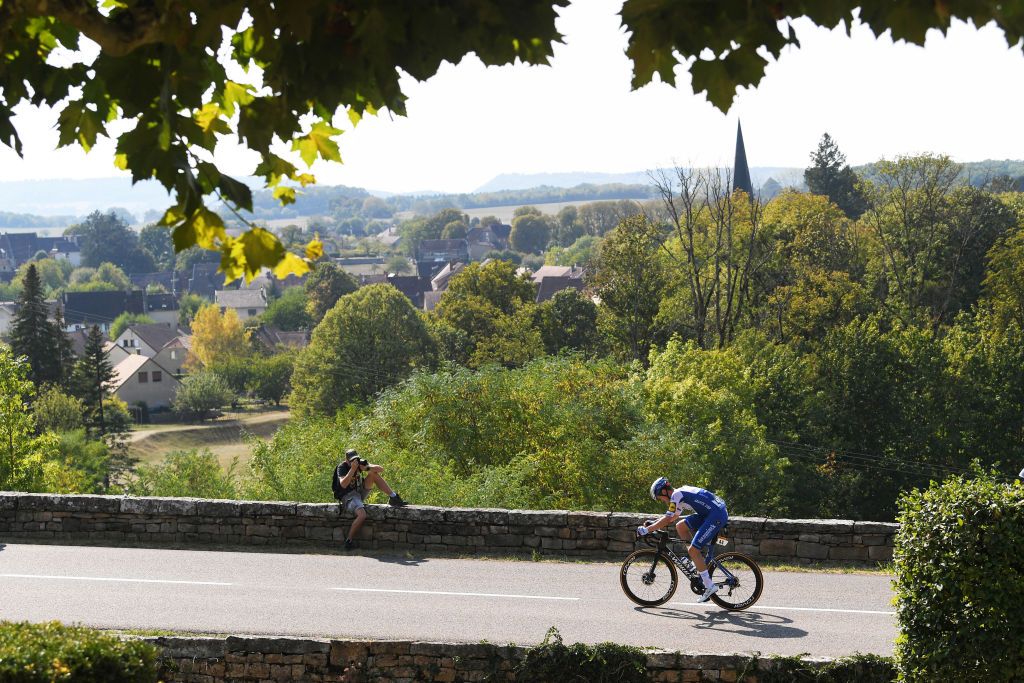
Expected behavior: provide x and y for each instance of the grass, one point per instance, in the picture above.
(223, 436)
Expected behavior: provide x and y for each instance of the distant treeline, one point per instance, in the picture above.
(27, 220)
(974, 173)
(341, 202)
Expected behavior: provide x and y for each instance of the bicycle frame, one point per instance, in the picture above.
(685, 564)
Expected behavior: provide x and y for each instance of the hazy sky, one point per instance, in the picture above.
(960, 95)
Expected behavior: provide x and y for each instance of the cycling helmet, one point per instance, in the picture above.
(658, 486)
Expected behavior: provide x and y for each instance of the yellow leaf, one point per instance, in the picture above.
(315, 248)
(209, 119)
(285, 195)
(121, 161)
(290, 265)
(235, 93)
(318, 142)
(209, 228)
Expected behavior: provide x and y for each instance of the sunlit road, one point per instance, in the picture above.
(395, 597)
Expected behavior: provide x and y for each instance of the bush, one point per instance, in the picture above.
(958, 581)
(185, 474)
(605, 662)
(57, 412)
(43, 653)
(200, 393)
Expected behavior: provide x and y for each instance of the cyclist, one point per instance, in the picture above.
(708, 518)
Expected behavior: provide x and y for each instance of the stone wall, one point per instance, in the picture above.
(114, 520)
(269, 660)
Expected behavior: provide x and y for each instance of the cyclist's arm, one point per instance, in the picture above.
(665, 520)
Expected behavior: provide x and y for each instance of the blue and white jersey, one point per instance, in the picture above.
(698, 500)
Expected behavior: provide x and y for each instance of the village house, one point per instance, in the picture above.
(140, 380)
(247, 303)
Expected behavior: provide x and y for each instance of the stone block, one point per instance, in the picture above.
(9, 501)
(176, 506)
(875, 539)
(255, 508)
(464, 516)
(795, 527)
(317, 510)
(880, 553)
(198, 648)
(577, 520)
(535, 518)
(627, 519)
(812, 551)
(848, 553)
(218, 509)
(146, 507)
(875, 528)
(777, 547)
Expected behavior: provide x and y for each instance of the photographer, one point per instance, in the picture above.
(353, 479)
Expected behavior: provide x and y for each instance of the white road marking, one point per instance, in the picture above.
(473, 595)
(794, 609)
(100, 578)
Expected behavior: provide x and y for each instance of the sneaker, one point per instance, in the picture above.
(396, 501)
(349, 544)
(708, 592)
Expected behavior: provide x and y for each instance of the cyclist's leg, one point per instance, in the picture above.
(686, 526)
(711, 524)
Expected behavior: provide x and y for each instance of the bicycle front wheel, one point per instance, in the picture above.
(648, 578)
(739, 581)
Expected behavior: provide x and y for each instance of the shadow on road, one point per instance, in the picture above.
(401, 560)
(2, 546)
(741, 623)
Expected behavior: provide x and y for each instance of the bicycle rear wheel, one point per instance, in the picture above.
(739, 581)
(648, 578)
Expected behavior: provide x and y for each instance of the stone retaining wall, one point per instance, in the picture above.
(270, 660)
(115, 520)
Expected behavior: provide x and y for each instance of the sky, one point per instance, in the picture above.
(960, 95)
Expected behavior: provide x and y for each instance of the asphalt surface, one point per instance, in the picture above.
(429, 599)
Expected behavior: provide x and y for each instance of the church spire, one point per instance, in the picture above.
(741, 172)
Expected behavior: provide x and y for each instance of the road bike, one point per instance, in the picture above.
(649, 576)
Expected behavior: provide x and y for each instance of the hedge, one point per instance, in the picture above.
(52, 652)
(959, 562)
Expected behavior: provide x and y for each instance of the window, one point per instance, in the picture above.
(252, 312)
(143, 377)
(174, 354)
(158, 376)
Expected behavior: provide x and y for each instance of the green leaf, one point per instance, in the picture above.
(235, 94)
(79, 124)
(236, 191)
(318, 142)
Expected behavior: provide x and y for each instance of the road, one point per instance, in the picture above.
(430, 599)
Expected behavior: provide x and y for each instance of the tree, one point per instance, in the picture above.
(34, 336)
(371, 339)
(717, 252)
(399, 265)
(106, 238)
(324, 286)
(188, 305)
(160, 67)
(216, 337)
(53, 274)
(829, 175)
(1004, 278)
(92, 377)
(629, 278)
(22, 456)
(192, 474)
(288, 311)
(156, 241)
(199, 393)
(456, 230)
(271, 377)
(530, 233)
(568, 321)
(125, 320)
